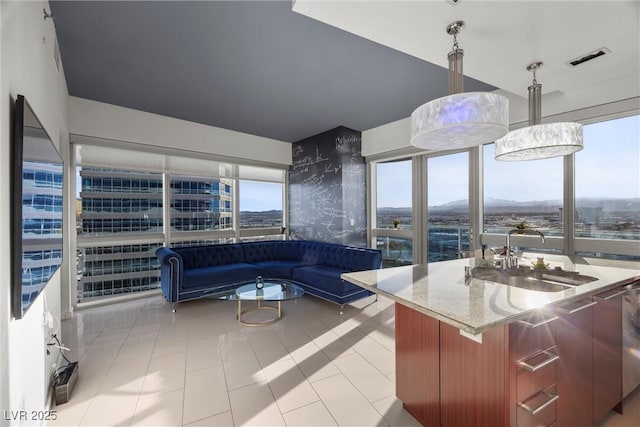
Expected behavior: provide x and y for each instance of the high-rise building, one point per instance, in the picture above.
(117, 203)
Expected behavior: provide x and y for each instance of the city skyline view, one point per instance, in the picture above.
(257, 196)
(612, 142)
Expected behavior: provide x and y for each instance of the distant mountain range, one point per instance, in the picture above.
(272, 211)
(615, 205)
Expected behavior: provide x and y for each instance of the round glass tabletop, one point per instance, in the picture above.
(273, 290)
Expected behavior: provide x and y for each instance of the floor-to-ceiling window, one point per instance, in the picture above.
(261, 210)
(604, 177)
(393, 212)
(587, 203)
(124, 214)
(448, 206)
(200, 203)
(200, 207)
(525, 192)
(119, 227)
(607, 189)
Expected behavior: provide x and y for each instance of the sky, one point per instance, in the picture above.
(447, 178)
(615, 143)
(608, 166)
(260, 196)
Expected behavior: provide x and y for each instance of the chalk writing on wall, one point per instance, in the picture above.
(327, 188)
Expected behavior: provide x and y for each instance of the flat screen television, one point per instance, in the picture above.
(37, 171)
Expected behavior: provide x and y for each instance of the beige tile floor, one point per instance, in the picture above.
(141, 364)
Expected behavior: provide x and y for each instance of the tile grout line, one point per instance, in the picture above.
(226, 386)
(145, 371)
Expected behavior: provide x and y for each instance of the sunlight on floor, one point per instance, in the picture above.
(141, 364)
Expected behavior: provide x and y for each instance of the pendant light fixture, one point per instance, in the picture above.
(539, 141)
(459, 120)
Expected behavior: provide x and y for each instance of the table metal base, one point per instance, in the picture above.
(258, 307)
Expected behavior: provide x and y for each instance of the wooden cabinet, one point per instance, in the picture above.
(446, 379)
(561, 367)
(574, 332)
(607, 353)
(418, 364)
(589, 341)
(474, 378)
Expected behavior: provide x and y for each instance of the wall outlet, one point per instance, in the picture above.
(48, 319)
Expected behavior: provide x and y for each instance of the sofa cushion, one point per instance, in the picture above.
(277, 269)
(210, 256)
(324, 278)
(219, 275)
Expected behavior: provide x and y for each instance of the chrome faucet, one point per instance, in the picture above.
(510, 260)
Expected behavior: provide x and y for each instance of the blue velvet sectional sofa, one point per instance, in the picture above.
(193, 272)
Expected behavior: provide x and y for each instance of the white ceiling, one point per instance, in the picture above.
(501, 38)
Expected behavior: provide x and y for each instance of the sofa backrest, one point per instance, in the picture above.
(280, 250)
(359, 259)
(331, 255)
(309, 252)
(211, 255)
(346, 258)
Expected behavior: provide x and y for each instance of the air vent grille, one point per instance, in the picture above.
(588, 57)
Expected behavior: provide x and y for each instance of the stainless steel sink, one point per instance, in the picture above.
(534, 280)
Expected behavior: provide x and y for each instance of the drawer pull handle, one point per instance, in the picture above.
(613, 295)
(550, 399)
(577, 309)
(550, 359)
(535, 325)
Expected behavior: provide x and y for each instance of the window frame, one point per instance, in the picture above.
(568, 243)
(167, 236)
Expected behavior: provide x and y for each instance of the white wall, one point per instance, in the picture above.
(27, 67)
(389, 137)
(97, 119)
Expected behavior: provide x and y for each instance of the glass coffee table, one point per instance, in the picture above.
(277, 290)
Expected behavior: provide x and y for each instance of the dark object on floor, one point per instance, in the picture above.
(64, 382)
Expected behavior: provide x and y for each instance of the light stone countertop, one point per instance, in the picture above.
(439, 289)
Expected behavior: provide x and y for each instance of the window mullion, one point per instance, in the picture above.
(569, 205)
(372, 214)
(420, 211)
(475, 198)
(166, 208)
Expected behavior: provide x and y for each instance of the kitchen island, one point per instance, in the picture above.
(473, 351)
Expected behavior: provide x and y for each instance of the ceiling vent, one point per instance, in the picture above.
(588, 57)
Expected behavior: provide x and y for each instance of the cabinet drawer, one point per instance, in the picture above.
(541, 377)
(531, 340)
(538, 410)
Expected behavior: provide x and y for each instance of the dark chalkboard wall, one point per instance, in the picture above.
(327, 197)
